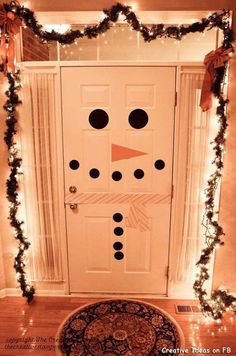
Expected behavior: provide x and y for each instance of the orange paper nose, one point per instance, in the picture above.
(122, 152)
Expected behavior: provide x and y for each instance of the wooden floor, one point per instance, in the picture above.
(20, 324)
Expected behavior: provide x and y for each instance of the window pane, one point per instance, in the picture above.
(119, 43)
(81, 49)
(195, 46)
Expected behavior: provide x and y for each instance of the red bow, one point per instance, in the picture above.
(214, 59)
(10, 25)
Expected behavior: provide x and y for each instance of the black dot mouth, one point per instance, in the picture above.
(159, 164)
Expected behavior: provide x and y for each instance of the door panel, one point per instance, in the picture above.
(118, 127)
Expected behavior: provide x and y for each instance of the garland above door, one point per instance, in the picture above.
(13, 16)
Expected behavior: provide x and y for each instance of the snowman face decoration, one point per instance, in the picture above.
(137, 216)
(138, 119)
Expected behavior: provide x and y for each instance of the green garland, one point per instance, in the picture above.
(220, 300)
(218, 20)
(15, 162)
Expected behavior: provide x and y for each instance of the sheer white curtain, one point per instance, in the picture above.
(196, 156)
(38, 140)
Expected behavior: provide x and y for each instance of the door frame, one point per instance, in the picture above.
(55, 67)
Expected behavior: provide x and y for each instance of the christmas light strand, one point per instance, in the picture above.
(15, 162)
(220, 300)
(149, 33)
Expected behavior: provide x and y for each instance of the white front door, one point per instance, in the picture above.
(118, 125)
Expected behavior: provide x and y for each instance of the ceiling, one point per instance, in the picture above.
(89, 5)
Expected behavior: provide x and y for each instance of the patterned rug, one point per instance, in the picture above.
(118, 327)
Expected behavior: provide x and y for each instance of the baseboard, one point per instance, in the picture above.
(55, 293)
(61, 293)
(2, 293)
(15, 292)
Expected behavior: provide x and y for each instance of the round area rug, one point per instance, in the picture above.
(118, 327)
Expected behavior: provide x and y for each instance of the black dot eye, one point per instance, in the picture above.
(98, 119)
(116, 175)
(117, 217)
(159, 164)
(117, 246)
(119, 255)
(94, 173)
(138, 118)
(74, 164)
(118, 231)
(139, 173)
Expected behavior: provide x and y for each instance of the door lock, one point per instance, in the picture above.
(73, 206)
(72, 189)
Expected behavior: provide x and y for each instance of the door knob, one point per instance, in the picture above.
(72, 189)
(73, 206)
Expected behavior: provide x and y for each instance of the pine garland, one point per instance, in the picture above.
(15, 162)
(220, 300)
(155, 31)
